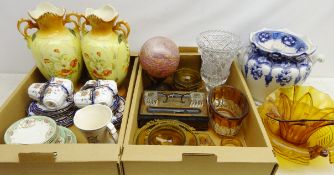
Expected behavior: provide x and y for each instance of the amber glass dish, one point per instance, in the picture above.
(300, 122)
(187, 79)
(166, 135)
(166, 132)
(228, 107)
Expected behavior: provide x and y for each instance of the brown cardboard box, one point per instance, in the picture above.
(71, 159)
(256, 158)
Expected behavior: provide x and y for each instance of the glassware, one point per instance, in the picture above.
(231, 141)
(166, 135)
(300, 123)
(228, 107)
(166, 132)
(185, 106)
(187, 79)
(218, 49)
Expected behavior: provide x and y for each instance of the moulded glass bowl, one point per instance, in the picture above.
(300, 122)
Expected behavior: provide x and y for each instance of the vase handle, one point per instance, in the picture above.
(124, 27)
(76, 23)
(30, 25)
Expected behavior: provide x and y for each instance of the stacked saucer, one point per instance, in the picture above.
(38, 130)
(63, 116)
(53, 99)
(118, 109)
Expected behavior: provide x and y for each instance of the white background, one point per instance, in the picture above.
(182, 20)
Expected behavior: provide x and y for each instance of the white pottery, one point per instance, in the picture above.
(103, 96)
(32, 130)
(35, 90)
(276, 58)
(82, 98)
(45, 7)
(95, 122)
(54, 97)
(96, 92)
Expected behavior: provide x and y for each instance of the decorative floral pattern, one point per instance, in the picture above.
(256, 62)
(289, 40)
(99, 67)
(256, 71)
(62, 65)
(264, 36)
(284, 77)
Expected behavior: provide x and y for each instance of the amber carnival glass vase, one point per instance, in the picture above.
(300, 123)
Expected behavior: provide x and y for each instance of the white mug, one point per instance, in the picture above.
(95, 122)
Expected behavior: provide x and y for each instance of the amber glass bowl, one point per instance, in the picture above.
(166, 135)
(187, 79)
(299, 121)
(228, 107)
(166, 132)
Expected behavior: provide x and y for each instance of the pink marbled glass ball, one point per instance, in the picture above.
(159, 56)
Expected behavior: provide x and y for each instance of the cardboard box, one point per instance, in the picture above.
(256, 158)
(62, 159)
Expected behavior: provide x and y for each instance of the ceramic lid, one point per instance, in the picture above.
(46, 7)
(106, 13)
(32, 130)
(282, 41)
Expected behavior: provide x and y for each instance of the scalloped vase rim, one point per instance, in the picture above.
(311, 48)
(46, 7)
(106, 13)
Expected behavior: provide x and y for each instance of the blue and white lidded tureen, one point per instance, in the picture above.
(277, 58)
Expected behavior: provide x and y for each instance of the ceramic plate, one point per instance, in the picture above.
(31, 130)
(65, 136)
(69, 135)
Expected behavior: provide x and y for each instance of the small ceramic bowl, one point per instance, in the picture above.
(228, 107)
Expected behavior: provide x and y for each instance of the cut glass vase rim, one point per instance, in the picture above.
(218, 41)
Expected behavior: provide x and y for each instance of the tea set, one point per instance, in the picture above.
(192, 108)
(38, 130)
(53, 99)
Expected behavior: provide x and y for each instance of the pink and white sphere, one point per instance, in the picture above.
(159, 56)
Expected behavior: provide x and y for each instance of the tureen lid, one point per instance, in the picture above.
(282, 41)
(32, 130)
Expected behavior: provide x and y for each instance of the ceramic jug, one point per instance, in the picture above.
(105, 48)
(55, 48)
(276, 58)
